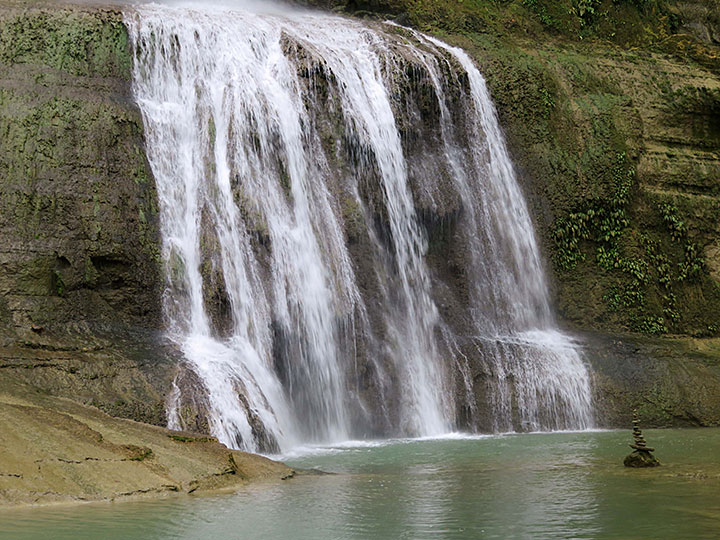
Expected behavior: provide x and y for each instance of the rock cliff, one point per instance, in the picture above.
(611, 112)
(79, 261)
(613, 117)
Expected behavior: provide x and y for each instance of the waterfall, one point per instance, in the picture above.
(304, 165)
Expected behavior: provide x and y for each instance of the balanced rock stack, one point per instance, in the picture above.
(642, 455)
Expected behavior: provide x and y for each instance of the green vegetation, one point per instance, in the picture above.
(627, 23)
(608, 107)
(602, 221)
(139, 453)
(185, 439)
(73, 42)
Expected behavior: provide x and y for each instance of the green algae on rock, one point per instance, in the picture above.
(78, 214)
(640, 460)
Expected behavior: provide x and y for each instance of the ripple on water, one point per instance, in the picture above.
(562, 485)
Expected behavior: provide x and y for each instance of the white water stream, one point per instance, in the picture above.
(289, 343)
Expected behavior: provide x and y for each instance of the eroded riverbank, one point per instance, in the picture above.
(58, 451)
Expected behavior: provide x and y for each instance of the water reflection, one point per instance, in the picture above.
(520, 486)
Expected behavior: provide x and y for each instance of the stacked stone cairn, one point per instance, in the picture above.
(642, 455)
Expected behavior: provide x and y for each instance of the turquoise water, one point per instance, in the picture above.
(561, 485)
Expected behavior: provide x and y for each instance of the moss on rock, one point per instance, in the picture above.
(78, 216)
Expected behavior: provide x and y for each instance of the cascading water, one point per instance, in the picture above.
(296, 244)
(516, 331)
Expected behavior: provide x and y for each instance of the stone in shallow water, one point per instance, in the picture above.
(640, 459)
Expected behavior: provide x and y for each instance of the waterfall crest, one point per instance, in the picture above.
(309, 171)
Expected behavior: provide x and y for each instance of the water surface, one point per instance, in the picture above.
(561, 485)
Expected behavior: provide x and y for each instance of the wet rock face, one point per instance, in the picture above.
(78, 206)
(78, 221)
(671, 382)
(700, 18)
(78, 216)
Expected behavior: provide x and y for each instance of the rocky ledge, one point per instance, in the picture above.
(57, 451)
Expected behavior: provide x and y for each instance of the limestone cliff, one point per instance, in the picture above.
(612, 111)
(79, 273)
